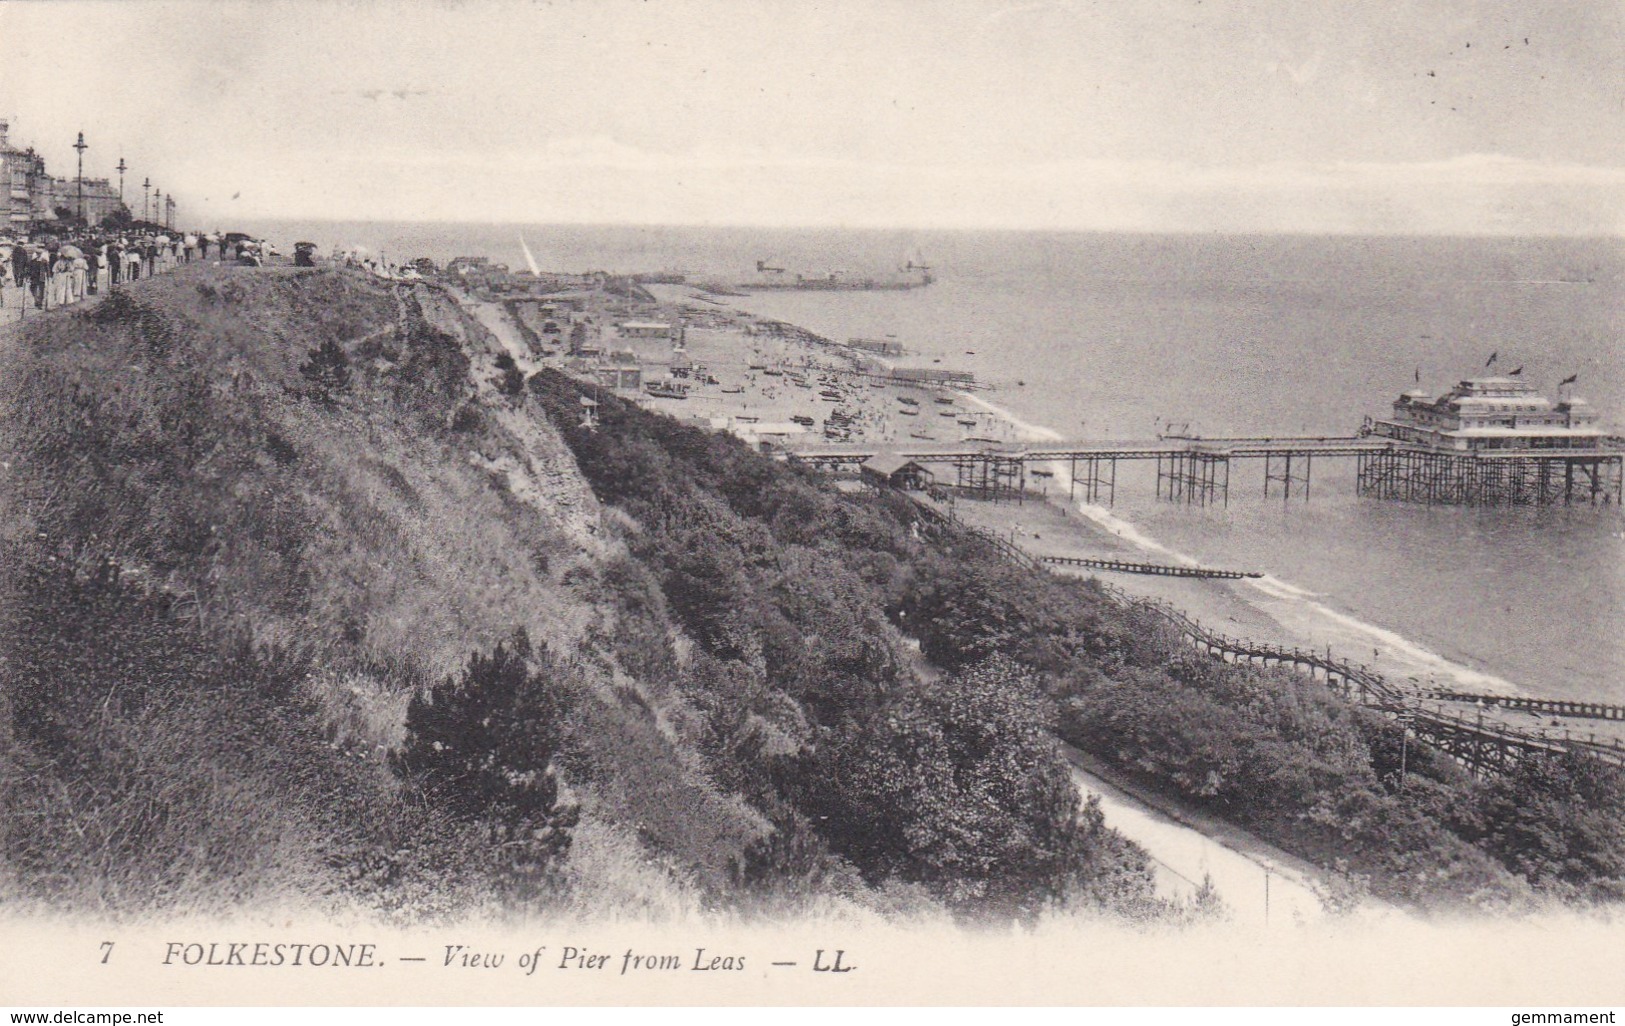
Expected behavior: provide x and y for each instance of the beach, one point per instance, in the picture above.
(754, 376)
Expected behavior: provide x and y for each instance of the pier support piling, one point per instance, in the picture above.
(1472, 479)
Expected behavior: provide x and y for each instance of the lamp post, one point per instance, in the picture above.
(146, 183)
(80, 180)
(1405, 720)
(122, 167)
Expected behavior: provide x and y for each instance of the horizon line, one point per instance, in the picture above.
(1600, 234)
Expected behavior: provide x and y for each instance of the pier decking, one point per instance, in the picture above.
(1196, 470)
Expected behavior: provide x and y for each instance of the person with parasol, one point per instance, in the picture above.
(73, 284)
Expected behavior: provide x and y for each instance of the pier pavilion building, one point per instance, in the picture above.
(1486, 414)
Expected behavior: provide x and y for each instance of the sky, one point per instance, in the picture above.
(1391, 117)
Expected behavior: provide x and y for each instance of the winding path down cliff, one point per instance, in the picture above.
(1260, 885)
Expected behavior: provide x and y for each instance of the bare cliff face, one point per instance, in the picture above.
(534, 462)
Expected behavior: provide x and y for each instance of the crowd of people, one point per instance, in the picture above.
(51, 270)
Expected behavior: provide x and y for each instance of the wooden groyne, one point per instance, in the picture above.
(1154, 569)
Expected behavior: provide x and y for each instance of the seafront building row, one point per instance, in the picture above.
(33, 195)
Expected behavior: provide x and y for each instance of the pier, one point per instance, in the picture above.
(1196, 470)
(1486, 441)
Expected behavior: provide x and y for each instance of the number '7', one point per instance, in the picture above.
(107, 951)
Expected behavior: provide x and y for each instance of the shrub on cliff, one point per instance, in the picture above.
(482, 748)
(327, 370)
(1556, 822)
(510, 380)
(957, 785)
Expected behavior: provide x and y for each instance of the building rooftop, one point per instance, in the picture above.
(887, 463)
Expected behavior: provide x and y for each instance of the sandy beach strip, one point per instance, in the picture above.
(762, 378)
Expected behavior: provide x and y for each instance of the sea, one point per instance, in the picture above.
(1123, 336)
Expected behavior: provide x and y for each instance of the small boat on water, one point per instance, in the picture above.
(735, 390)
(909, 411)
(877, 384)
(947, 400)
(926, 435)
(773, 372)
(968, 421)
(945, 413)
(908, 401)
(1043, 473)
(802, 419)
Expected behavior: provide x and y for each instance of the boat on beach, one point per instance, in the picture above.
(667, 389)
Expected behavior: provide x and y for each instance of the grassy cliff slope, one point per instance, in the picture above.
(301, 601)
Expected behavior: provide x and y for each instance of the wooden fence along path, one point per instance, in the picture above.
(1483, 747)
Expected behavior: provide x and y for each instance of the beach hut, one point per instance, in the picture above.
(644, 329)
(889, 470)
